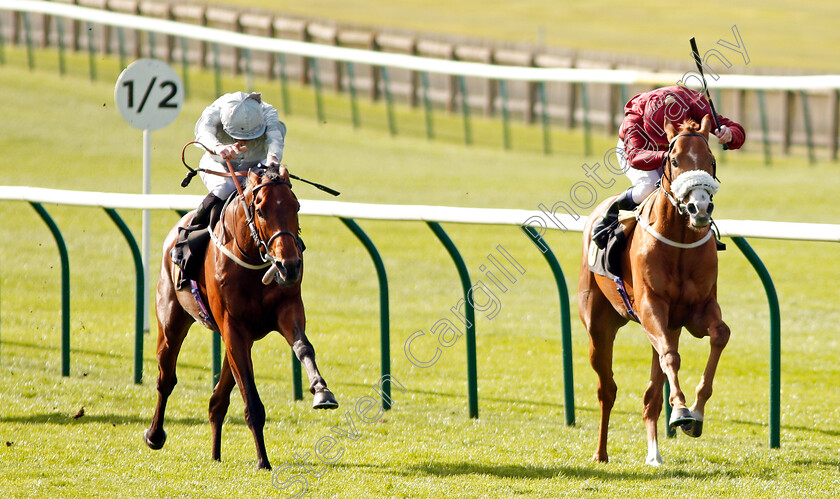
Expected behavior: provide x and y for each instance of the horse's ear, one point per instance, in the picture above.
(670, 131)
(706, 126)
(254, 177)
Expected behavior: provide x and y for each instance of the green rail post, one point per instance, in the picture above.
(91, 53)
(427, 102)
(249, 74)
(62, 65)
(544, 116)
(472, 371)
(565, 322)
(284, 89)
(505, 115)
(297, 384)
(216, 357)
(65, 287)
(354, 107)
(775, 339)
(152, 44)
(384, 313)
(765, 131)
(622, 94)
(217, 70)
(121, 45)
(587, 139)
(670, 432)
(809, 135)
(30, 53)
(389, 102)
(2, 46)
(316, 82)
(184, 67)
(139, 280)
(465, 110)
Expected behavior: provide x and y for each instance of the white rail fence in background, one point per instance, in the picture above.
(819, 121)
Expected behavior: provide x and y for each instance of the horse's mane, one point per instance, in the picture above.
(689, 126)
(272, 174)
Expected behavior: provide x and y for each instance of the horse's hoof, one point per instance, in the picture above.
(154, 444)
(324, 399)
(694, 429)
(681, 417)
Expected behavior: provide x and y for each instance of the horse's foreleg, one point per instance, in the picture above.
(718, 333)
(292, 324)
(219, 403)
(170, 339)
(323, 397)
(653, 408)
(666, 342)
(238, 357)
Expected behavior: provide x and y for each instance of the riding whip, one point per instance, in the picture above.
(696, 55)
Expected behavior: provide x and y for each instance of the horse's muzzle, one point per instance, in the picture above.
(290, 270)
(285, 272)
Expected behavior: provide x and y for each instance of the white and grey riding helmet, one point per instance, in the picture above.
(242, 117)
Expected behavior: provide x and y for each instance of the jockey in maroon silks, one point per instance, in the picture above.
(642, 144)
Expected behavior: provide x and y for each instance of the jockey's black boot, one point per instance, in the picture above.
(192, 238)
(602, 227)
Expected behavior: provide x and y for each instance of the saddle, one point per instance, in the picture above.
(607, 261)
(191, 246)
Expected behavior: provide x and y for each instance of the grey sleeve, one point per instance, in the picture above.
(208, 125)
(275, 131)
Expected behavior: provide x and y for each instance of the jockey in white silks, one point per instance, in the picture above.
(238, 128)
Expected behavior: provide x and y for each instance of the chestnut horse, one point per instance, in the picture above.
(258, 230)
(669, 267)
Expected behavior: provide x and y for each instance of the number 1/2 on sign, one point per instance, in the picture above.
(149, 94)
(165, 102)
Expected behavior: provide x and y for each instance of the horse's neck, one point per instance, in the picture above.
(234, 227)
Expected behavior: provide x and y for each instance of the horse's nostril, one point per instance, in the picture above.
(692, 208)
(710, 208)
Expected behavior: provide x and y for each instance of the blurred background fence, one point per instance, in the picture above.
(785, 114)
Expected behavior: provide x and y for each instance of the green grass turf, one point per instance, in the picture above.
(776, 33)
(65, 133)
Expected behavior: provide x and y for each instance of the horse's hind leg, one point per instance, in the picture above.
(219, 403)
(653, 408)
(173, 325)
(602, 323)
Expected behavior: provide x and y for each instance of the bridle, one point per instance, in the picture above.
(668, 164)
(263, 246)
(681, 207)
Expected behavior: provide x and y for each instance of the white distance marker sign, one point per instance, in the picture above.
(149, 94)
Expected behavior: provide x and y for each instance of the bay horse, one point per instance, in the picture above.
(669, 267)
(258, 230)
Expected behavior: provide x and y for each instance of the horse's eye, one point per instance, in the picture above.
(260, 213)
(674, 163)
